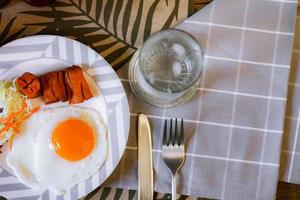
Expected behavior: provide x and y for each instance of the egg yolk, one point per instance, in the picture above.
(73, 139)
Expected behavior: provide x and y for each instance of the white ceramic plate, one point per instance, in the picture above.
(44, 53)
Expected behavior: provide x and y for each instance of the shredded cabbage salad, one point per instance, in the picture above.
(11, 99)
(16, 108)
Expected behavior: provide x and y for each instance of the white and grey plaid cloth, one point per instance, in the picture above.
(234, 124)
(290, 153)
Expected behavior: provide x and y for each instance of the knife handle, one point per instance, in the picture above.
(145, 167)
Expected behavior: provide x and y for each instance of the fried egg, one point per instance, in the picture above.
(59, 148)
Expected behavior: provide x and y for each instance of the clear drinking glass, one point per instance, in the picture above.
(166, 70)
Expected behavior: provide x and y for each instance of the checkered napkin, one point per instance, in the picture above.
(290, 153)
(234, 123)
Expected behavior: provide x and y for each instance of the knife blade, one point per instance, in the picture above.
(145, 167)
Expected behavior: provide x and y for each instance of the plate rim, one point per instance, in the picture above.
(126, 110)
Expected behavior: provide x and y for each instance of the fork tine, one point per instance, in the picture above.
(171, 135)
(181, 140)
(165, 137)
(176, 136)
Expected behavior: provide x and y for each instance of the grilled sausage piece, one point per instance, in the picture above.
(48, 93)
(77, 87)
(56, 81)
(29, 85)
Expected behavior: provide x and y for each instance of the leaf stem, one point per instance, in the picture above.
(101, 26)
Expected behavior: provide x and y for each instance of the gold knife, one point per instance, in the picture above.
(145, 167)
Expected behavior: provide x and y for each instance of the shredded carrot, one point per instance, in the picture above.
(14, 120)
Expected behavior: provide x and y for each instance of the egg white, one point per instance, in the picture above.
(21, 157)
(44, 168)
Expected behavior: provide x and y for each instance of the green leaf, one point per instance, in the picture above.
(126, 18)
(148, 24)
(7, 28)
(107, 11)
(118, 194)
(116, 15)
(137, 23)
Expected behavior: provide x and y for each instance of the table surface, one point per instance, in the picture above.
(285, 191)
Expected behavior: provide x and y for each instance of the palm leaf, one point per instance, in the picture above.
(126, 18)
(96, 38)
(7, 28)
(148, 25)
(118, 194)
(107, 11)
(13, 36)
(172, 15)
(131, 194)
(137, 23)
(93, 27)
(104, 47)
(92, 194)
(166, 197)
(7, 34)
(70, 22)
(88, 6)
(183, 197)
(116, 54)
(123, 62)
(61, 4)
(105, 193)
(198, 4)
(155, 195)
(50, 14)
(116, 15)
(99, 4)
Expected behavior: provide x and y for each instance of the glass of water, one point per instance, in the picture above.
(166, 70)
